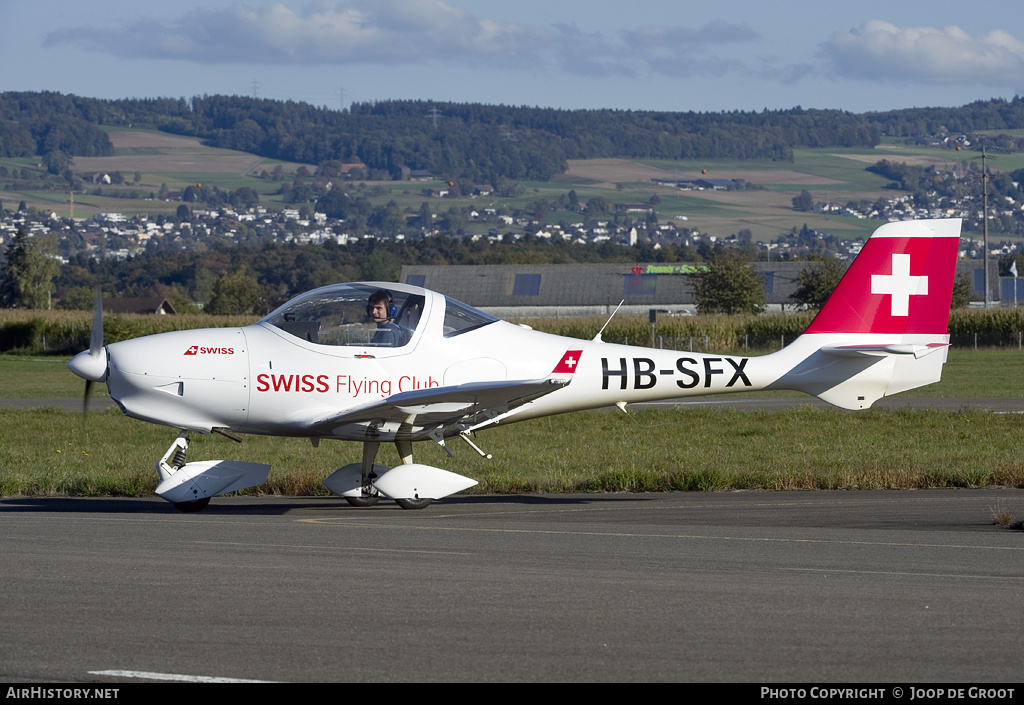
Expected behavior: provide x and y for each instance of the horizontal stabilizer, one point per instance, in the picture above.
(917, 351)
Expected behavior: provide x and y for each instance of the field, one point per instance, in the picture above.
(47, 451)
(833, 174)
(161, 160)
(156, 152)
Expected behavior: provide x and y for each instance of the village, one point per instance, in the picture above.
(119, 235)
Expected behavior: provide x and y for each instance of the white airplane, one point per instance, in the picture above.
(383, 362)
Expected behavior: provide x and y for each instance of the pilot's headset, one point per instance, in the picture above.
(389, 299)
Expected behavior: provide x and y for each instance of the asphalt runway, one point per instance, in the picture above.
(770, 587)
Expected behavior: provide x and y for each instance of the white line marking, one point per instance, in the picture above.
(180, 677)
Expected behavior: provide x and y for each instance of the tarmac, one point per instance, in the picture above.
(745, 587)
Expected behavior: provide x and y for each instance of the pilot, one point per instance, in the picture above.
(381, 308)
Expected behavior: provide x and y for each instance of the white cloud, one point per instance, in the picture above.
(406, 32)
(353, 31)
(881, 51)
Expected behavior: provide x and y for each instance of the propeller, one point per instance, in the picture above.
(96, 331)
(91, 365)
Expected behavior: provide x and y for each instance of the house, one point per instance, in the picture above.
(154, 305)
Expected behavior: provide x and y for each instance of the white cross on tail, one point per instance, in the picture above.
(900, 285)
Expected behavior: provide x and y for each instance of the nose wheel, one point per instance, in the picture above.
(362, 501)
(193, 506)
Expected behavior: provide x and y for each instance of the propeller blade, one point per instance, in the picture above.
(91, 365)
(96, 332)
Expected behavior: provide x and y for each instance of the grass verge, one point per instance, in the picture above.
(49, 452)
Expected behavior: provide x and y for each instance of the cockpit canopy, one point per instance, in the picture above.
(341, 315)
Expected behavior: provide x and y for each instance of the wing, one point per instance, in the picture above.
(426, 412)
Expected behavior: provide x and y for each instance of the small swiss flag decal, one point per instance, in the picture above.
(192, 350)
(567, 365)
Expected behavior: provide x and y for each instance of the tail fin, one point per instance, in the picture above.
(885, 328)
(901, 283)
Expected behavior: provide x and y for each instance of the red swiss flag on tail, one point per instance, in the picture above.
(900, 283)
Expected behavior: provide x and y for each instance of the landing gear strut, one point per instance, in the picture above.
(179, 450)
(369, 496)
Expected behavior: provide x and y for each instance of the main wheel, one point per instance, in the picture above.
(196, 505)
(362, 501)
(407, 503)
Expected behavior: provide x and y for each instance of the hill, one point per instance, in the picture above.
(417, 165)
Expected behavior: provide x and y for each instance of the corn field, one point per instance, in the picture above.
(67, 332)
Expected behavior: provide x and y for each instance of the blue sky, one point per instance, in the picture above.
(639, 55)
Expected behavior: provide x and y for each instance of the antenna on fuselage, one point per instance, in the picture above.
(597, 338)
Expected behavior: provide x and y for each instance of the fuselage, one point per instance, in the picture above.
(275, 378)
(303, 368)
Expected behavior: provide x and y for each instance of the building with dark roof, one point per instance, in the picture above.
(139, 305)
(536, 290)
(584, 289)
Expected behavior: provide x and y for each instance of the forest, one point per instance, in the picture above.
(481, 143)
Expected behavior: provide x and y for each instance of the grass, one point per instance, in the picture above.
(41, 377)
(49, 452)
(1002, 515)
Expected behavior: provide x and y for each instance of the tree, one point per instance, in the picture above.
(804, 202)
(962, 291)
(79, 298)
(30, 265)
(236, 293)
(817, 282)
(426, 217)
(56, 161)
(729, 285)
(379, 265)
